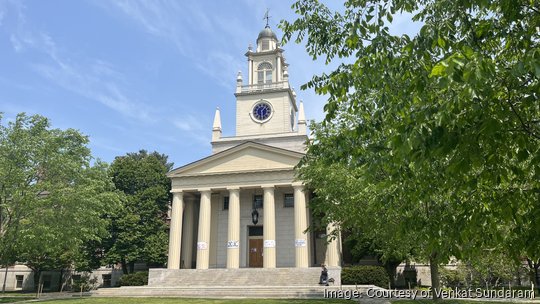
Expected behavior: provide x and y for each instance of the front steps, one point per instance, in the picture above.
(240, 277)
(233, 292)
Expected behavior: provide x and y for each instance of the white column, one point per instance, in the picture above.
(175, 231)
(300, 226)
(203, 240)
(269, 228)
(187, 237)
(233, 240)
(332, 247)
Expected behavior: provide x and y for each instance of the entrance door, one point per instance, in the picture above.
(255, 252)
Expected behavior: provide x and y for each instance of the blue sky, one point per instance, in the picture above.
(139, 74)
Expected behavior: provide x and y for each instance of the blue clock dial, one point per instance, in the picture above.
(262, 111)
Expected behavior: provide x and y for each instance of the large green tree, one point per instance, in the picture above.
(440, 130)
(139, 231)
(52, 201)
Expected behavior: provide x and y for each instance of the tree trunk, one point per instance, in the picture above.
(435, 280)
(37, 277)
(391, 269)
(124, 266)
(5, 279)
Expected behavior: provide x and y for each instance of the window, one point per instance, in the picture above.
(20, 280)
(46, 282)
(226, 203)
(265, 44)
(106, 280)
(264, 73)
(257, 202)
(288, 200)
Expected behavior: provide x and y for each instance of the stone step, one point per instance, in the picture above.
(226, 292)
(239, 277)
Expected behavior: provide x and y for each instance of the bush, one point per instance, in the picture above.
(134, 279)
(451, 278)
(85, 283)
(365, 275)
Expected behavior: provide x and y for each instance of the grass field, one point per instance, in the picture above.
(9, 299)
(188, 301)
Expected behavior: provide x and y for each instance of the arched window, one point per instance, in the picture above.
(264, 73)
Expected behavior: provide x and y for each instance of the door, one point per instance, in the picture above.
(255, 252)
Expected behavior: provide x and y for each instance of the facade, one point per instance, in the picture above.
(241, 207)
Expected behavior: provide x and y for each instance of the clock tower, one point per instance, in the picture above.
(266, 107)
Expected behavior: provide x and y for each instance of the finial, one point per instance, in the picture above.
(250, 48)
(267, 17)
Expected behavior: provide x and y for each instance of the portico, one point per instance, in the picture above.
(231, 197)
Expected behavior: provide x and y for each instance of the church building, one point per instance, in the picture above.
(242, 207)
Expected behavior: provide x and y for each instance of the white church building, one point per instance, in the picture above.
(242, 207)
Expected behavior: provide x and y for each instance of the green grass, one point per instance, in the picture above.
(11, 299)
(189, 301)
(449, 302)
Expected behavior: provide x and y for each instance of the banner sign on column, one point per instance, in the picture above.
(202, 245)
(300, 243)
(233, 244)
(269, 243)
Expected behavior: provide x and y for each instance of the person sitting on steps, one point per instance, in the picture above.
(323, 279)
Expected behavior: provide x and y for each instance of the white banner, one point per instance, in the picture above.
(300, 243)
(233, 244)
(269, 243)
(202, 245)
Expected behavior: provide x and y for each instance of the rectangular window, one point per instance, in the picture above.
(268, 76)
(20, 280)
(265, 45)
(106, 280)
(260, 77)
(257, 201)
(226, 203)
(288, 200)
(46, 282)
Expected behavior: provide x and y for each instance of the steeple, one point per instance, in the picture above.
(216, 129)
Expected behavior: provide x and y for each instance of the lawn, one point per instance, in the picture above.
(189, 301)
(11, 299)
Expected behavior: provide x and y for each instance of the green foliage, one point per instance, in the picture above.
(354, 275)
(52, 201)
(138, 228)
(86, 283)
(134, 279)
(436, 137)
(453, 278)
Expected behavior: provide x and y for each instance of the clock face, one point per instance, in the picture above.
(262, 111)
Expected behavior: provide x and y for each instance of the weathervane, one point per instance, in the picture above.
(267, 17)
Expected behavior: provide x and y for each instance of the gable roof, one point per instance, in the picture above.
(246, 157)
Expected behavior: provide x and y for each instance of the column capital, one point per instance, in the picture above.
(176, 191)
(204, 190)
(268, 186)
(233, 188)
(298, 185)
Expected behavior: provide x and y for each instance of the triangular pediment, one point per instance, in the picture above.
(246, 157)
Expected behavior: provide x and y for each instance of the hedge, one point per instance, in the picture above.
(365, 275)
(134, 279)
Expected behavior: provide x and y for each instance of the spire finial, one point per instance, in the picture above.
(267, 17)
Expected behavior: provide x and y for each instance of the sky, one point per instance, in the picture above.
(139, 74)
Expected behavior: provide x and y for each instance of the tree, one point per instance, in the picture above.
(442, 129)
(139, 231)
(51, 201)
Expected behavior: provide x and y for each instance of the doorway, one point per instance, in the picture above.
(255, 248)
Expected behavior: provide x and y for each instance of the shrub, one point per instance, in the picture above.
(85, 283)
(451, 278)
(364, 275)
(134, 279)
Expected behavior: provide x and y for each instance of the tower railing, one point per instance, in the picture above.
(265, 86)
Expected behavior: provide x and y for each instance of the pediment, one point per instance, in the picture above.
(247, 157)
